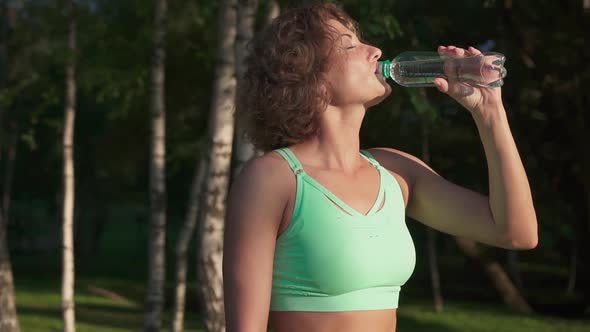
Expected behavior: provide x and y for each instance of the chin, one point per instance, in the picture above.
(374, 101)
(378, 99)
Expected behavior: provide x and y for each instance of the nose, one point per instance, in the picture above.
(375, 53)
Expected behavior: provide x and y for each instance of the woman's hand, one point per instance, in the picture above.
(472, 97)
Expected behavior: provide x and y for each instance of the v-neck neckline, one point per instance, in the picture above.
(339, 202)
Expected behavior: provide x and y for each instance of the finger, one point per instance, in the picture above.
(473, 50)
(441, 84)
(459, 52)
(452, 51)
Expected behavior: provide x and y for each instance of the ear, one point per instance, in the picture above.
(326, 91)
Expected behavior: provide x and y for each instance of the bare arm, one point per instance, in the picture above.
(507, 217)
(441, 204)
(510, 196)
(504, 219)
(255, 206)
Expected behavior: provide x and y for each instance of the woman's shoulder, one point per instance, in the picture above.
(269, 164)
(391, 156)
(403, 163)
(259, 193)
(268, 173)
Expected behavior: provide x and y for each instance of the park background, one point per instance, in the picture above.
(126, 200)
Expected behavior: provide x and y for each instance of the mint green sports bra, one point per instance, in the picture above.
(333, 258)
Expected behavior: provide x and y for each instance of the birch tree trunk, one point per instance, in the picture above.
(8, 318)
(9, 172)
(273, 11)
(431, 233)
(221, 128)
(157, 242)
(67, 288)
(192, 216)
(243, 150)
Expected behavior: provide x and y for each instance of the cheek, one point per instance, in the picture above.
(350, 83)
(345, 87)
(340, 82)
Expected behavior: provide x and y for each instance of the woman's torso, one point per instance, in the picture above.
(358, 192)
(349, 321)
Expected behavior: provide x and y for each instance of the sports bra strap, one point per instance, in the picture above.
(297, 168)
(370, 158)
(291, 159)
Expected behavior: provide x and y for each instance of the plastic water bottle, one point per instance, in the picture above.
(419, 69)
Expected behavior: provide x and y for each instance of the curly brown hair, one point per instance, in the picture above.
(284, 90)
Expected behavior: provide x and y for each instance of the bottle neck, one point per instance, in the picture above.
(385, 68)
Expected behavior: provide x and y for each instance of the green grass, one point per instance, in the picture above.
(120, 266)
(38, 305)
(39, 310)
(419, 315)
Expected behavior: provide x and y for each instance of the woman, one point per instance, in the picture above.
(315, 231)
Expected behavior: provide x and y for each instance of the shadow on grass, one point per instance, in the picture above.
(104, 315)
(93, 314)
(410, 324)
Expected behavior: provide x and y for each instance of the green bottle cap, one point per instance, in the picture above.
(385, 68)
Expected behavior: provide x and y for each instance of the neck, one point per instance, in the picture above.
(337, 144)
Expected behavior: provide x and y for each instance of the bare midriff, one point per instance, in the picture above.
(350, 321)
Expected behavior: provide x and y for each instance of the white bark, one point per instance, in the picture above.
(192, 216)
(221, 128)
(68, 274)
(246, 20)
(157, 242)
(273, 11)
(8, 318)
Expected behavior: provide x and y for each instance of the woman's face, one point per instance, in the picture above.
(352, 74)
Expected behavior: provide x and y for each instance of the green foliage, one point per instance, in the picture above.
(113, 95)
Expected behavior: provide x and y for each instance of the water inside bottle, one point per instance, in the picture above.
(419, 69)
